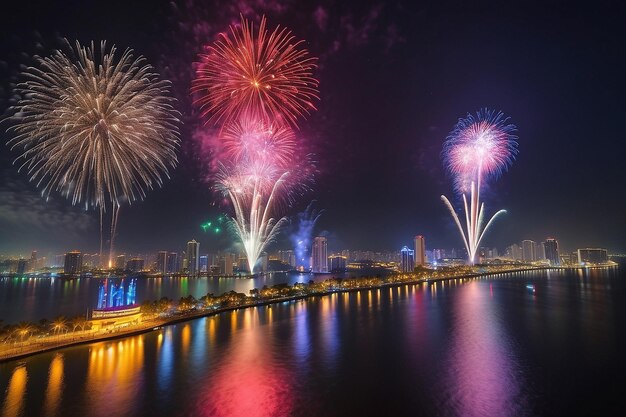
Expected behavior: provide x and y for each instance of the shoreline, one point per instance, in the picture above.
(154, 324)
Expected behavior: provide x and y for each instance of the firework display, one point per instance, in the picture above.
(255, 85)
(99, 130)
(478, 148)
(256, 73)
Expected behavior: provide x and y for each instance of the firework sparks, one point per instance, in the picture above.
(265, 73)
(259, 169)
(478, 147)
(98, 130)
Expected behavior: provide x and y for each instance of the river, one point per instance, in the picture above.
(480, 347)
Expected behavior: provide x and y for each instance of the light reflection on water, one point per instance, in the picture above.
(463, 347)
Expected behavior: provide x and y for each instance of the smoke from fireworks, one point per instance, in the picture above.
(247, 72)
(98, 130)
(478, 147)
(301, 239)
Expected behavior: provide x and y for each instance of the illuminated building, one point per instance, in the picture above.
(73, 263)
(551, 247)
(135, 264)
(264, 260)
(420, 250)
(528, 251)
(172, 263)
(407, 256)
(120, 261)
(203, 263)
(226, 264)
(287, 257)
(193, 252)
(161, 262)
(33, 261)
(514, 252)
(592, 256)
(319, 255)
(540, 252)
(337, 263)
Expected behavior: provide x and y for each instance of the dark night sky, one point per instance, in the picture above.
(395, 77)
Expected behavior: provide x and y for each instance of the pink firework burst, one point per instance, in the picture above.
(480, 146)
(248, 71)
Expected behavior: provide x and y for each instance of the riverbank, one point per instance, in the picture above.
(20, 350)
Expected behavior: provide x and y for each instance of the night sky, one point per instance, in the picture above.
(395, 77)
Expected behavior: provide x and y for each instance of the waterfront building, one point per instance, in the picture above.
(193, 252)
(73, 263)
(226, 264)
(540, 251)
(264, 259)
(551, 247)
(161, 262)
(528, 251)
(592, 256)
(172, 263)
(203, 263)
(120, 262)
(287, 257)
(319, 255)
(420, 250)
(135, 264)
(337, 263)
(514, 252)
(407, 257)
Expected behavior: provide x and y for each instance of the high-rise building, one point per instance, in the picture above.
(420, 250)
(193, 257)
(22, 266)
(32, 264)
(203, 263)
(135, 264)
(514, 252)
(540, 251)
(551, 247)
(319, 255)
(120, 261)
(528, 251)
(592, 256)
(161, 262)
(226, 264)
(172, 263)
(287, 257)
(337, 263)
(73, 263)
(407, 263)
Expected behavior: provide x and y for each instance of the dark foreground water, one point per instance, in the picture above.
(484, 347)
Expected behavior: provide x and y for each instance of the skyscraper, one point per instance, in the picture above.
(172, 263)
(551, 247)
(528, 251)
(408, 259)
(319, 255)
(193, 255)
(73, 263)
(420, 250)
(161, 263)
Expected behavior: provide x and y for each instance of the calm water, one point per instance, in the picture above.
(485, 347)
(32, 299)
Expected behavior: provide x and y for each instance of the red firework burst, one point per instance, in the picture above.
(267, 74)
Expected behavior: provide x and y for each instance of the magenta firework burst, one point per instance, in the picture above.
(478, 147)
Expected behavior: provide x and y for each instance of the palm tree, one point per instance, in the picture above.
(24, 330)
(59, 324)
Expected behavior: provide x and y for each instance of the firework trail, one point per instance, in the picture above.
(258, 171)
(255, 72)
(479, 147)
(98, 130)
